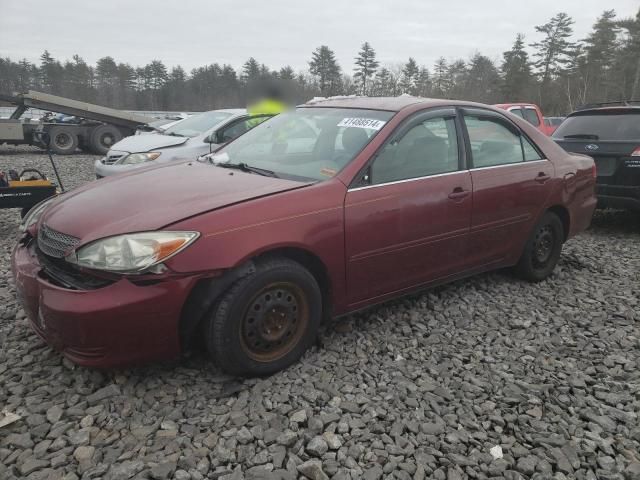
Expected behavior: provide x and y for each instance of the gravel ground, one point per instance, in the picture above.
(485, 378)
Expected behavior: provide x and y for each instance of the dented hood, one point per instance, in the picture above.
(152, 198)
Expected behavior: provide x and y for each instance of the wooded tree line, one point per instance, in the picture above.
(558, 71)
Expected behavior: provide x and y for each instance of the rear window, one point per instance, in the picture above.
(531, 116)
(601, 126)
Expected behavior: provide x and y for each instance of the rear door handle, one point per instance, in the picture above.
(542, 177)
(458, 193)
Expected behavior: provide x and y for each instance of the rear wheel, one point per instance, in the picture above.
(266, 320)
(543, 249)
(63, 140)
(103, 137)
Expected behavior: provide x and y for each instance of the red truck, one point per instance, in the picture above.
(530, 112)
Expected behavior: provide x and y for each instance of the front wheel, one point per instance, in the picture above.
(543, 249)
(266, 320)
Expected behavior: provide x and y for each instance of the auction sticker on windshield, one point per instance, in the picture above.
(369, 123)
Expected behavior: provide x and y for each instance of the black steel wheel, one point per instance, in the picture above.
(266, 320)
(542, 250)
(63, 140)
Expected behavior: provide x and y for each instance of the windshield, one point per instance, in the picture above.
(609, 126)
(309, 143)
(197, 124)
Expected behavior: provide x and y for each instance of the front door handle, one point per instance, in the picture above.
(459, 193)
(542, 177)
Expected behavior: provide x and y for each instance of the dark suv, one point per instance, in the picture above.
(610, 133)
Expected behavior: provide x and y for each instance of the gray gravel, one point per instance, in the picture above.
(424, 387)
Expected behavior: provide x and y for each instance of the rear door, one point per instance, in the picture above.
(511, 180)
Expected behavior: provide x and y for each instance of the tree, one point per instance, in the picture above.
(628, 59)
(600, 49)
(382, 83)
(410, 73)
(482, 80)
(516, 72)
(441, 79)
(286, 73)
(325, 68)
(366, 66)
(423, 83)
(553, 52)
(250, 70)
(51, 73)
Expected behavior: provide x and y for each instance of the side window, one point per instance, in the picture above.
(428, 148)
(531, 116)
(530, 153)
(517, 111)
(234, 131)
(492, 143)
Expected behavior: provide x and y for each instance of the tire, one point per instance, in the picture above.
(542, 250)
(265, 321)
(64, 140)
(103, 137)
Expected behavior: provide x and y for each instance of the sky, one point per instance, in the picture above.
(193, 33)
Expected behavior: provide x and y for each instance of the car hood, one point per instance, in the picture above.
(145, 143)
(155, 197)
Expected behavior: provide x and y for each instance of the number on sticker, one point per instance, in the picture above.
(370, 123)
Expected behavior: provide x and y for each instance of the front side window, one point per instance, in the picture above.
(492, 143)
(428, 148)
(306, 143)
(234, 131)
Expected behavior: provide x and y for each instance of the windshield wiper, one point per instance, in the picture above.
(248, 168)
(173, 134)
(588, 136)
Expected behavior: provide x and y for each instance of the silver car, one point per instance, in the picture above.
(187, 139)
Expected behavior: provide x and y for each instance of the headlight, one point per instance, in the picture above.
(31, 218)
(131, 253)
(135, 158)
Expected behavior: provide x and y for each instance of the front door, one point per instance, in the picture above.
(511, 180)
(407, 221)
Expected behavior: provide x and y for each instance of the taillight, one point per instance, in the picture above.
(636, 152)
(594, 171)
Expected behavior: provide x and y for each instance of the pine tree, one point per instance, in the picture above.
(599, 54)
(325, 68)
(250, 70)
(441, 83)
(627, 62)
(409, 78)
(286, 73)
(366, 66)
(516, 72)
(555, 49)
(381, 83)
(423, 83)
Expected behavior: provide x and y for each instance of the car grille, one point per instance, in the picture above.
(53, 243)
(112, 158)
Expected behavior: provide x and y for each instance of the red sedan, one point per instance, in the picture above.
(318, 212)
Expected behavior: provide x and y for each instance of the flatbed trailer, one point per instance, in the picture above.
(92, 128)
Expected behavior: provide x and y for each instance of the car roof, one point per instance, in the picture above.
(234, 111)
(606, 110)
(391, 104)
(508, 105)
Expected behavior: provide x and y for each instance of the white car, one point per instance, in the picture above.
(187, 139)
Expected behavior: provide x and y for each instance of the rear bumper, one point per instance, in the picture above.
(618, 196)
(117, 325)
